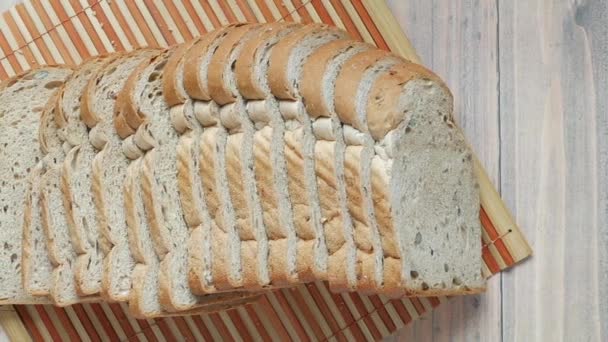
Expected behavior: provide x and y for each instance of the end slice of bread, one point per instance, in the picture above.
(424, 180)
(22, 99)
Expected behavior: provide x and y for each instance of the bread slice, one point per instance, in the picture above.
(284, 74)
(37, 267)
(22, 100)
(108, 170)
(76, 181)
(432, 164)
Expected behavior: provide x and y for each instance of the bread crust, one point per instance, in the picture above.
(161, 235)
(129, 101)
(28, 245)
(120, 124)
(185, 174)
(194, 85)
(313, 71)
(244, 68)
(87, 113)
(220, 265)
(348, 82)
(278, 77)
(171, 87)
(219, 91)
(122, 105)
(383, 113)
(130, 188)
(60, 116)
(87, 110)
(47, 117)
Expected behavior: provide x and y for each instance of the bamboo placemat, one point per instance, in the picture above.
(40, 32)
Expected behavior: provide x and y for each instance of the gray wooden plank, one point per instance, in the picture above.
(553, 166)
(457, 40)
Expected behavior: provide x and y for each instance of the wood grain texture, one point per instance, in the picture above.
(530, 79)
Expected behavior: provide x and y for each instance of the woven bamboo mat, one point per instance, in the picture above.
(41, 32)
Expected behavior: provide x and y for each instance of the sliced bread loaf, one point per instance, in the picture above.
(108, 170)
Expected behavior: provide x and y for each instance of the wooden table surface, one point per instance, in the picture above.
(530, 80)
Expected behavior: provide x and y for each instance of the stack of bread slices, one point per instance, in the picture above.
(258, 156)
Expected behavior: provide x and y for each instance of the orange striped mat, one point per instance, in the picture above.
(39, 32)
